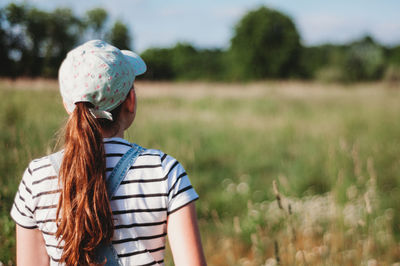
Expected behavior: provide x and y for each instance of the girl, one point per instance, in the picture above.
(65, 208)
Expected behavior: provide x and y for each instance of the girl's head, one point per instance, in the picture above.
(100, 74)
(96, 84)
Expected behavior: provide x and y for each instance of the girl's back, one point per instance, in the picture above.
(64, 217)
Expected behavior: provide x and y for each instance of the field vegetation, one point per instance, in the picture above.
(289, 173)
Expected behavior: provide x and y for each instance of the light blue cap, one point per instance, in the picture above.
(99, 73)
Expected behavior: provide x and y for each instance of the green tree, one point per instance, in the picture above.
(190, 63)
(178, 62)
(33, 42)
(323, 62)
(393, 55)
(392, 59)
(364, 61)
(314, 58)
(158, 61)
(184, 61)
(43, 37)
(32, 25)
(211, 64)
(96, 21)
(265, 44)
(63, 32)
(119, 36)
(5, 46)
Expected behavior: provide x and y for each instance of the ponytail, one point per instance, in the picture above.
(84, 215)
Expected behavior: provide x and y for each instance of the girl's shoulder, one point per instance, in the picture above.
(40, 168)
(164, 158)
(39, 182)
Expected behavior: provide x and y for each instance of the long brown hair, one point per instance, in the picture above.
(84, 215)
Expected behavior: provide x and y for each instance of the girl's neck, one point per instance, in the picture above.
(109, 134)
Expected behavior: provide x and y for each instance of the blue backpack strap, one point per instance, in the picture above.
(107, 252)
(114, 180)
(121, 169)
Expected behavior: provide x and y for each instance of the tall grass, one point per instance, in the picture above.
(333, 151)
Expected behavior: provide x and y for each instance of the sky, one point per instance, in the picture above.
(210, 23)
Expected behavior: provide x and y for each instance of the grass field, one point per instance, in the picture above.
(333, 151)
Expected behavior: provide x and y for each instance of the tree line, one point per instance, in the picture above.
(34, 42)
(265, 45)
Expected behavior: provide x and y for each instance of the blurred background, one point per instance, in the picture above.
(285, 114)
(179, 40)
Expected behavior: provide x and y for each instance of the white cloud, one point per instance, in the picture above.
(334, 28)
(171, 12)
(232, 12)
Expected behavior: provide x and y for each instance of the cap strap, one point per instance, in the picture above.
(101, 114)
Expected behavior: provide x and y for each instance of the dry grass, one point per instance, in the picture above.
(315, 231)
(298, 133)
(37, 84)
(290, 89)
(196, 90)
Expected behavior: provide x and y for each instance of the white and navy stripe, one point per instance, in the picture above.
(155, 186)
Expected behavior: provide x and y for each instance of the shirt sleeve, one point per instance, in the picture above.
(22, 211)
(180, 190)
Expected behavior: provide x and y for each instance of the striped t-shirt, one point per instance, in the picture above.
(155, 186)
